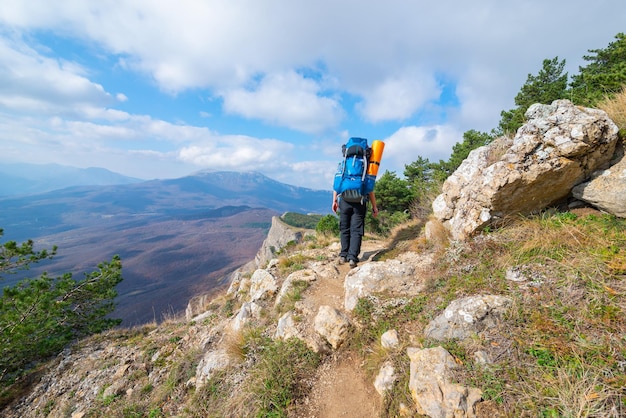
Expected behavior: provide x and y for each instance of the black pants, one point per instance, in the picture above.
(352, 226)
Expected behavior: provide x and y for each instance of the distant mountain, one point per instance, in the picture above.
(32, 216)
(22, 179)
(253, 189)
(176, 238)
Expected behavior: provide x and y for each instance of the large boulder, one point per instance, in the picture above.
(332, 324)
(391, 277)
(558, 148)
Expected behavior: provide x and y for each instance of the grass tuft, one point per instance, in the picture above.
(615, 107)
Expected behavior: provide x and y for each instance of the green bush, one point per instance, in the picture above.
(328, 225)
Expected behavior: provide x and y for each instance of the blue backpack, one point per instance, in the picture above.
(352, 182)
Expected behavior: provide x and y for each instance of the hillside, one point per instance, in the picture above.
(556, 348)
(190, 197)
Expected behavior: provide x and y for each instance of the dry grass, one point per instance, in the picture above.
(321, 240)
(564, 332)
(582, 394)
(291, 263)
(402, 238)
(437, 234)
(615, 107)
(421, 208)
(234, 345)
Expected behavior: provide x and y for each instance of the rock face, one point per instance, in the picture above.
(279, 235)
(559, 147)
(607, 189)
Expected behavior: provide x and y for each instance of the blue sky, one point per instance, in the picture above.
(163, 89)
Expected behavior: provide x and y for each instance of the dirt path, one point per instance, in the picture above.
(330, 291)
(341, 387)
(342, 390)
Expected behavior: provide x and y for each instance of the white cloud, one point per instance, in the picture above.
(286, 99)
(290, 64)
(483, 93)
(408, 143)
(398, 98)
(317, 175)
(31, 82)
(236, 152)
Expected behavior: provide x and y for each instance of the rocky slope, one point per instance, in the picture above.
(207, 364)
(125, 365)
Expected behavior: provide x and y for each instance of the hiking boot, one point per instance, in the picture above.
(342, 260)
(352, 263)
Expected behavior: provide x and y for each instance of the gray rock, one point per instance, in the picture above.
(306, 275)
(606, 190)
(385, 379)
(389, 339)
(467, 316)
(247, 312)
(286, 327)
(429, 382)
(262, 285)
(211, 362)
(332, 324)
(393, 277)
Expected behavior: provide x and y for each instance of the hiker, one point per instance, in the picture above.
(352, 225)
(353, 187)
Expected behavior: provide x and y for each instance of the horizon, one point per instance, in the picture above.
(35, 177)
(274, 88)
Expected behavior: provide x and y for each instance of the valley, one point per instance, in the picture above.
(176, 238)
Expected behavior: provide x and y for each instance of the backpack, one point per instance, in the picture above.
(352, 182)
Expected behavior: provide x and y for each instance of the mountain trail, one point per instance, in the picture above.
(341, 390)
(341, 387)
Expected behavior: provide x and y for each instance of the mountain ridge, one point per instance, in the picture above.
(30, 216)
(27, 179)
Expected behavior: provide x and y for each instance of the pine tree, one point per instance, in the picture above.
(40, 316)
(548, 85)
(605, 75)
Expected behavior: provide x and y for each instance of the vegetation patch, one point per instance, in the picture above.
(300, 220)
(292, 296)
(557, 352)
(278, 375)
